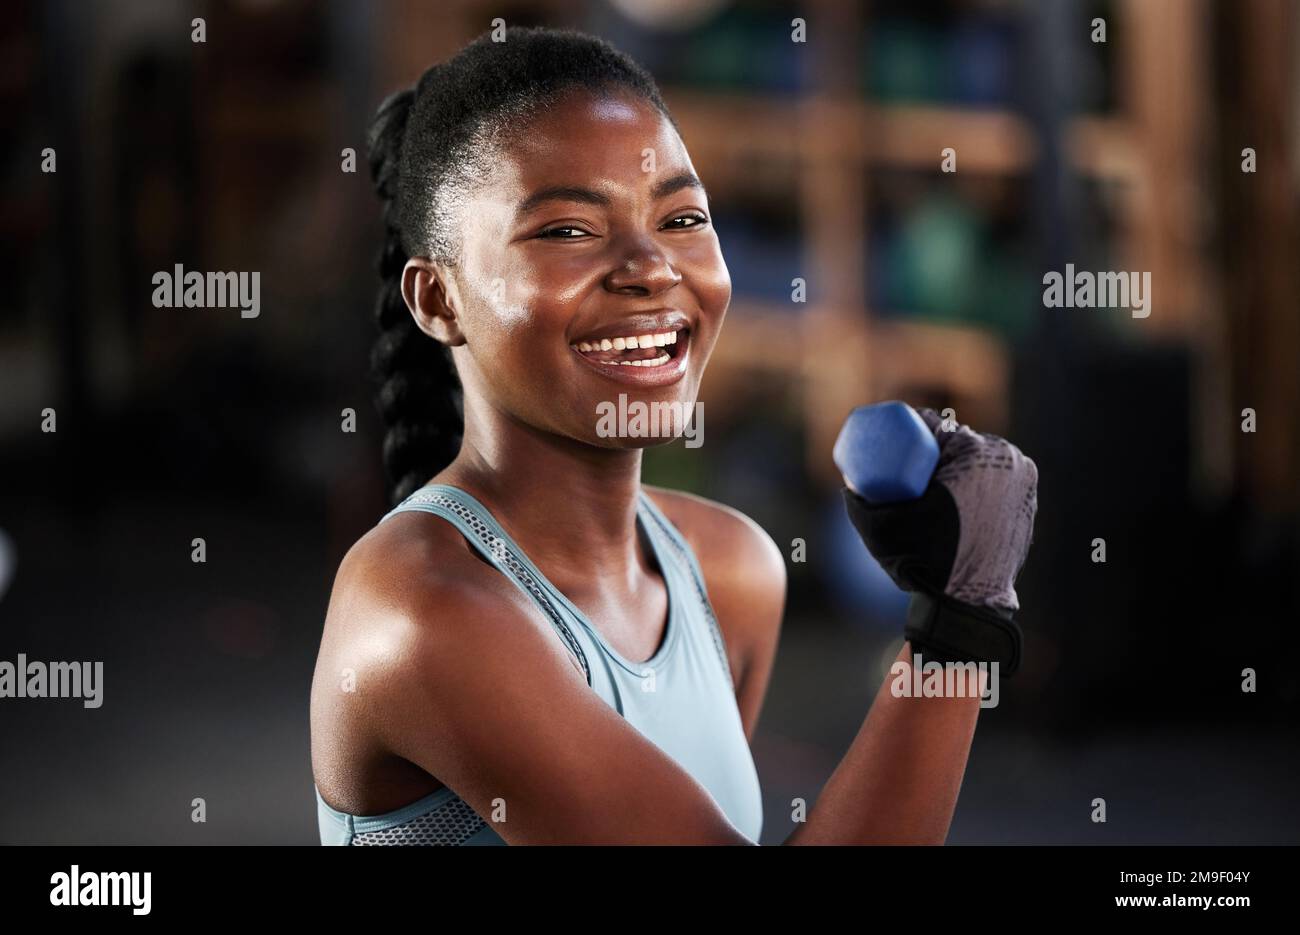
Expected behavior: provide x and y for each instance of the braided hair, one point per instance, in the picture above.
(428, 147)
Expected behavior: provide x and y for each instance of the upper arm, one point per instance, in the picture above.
(745, 574)
(476, 690)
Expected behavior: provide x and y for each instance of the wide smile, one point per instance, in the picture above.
(651, 358)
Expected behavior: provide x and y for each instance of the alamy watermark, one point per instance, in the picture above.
(179, 289)
(88, 888)
(25, 679)
(1107, 289)
(639, 419)
(921, 679)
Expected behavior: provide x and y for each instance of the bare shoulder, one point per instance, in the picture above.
(414, 579)
(725, 540)
(744, 572)
(413, 611)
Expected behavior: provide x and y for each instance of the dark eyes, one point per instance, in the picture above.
(568, 232)
(699, 220)
(559, 233)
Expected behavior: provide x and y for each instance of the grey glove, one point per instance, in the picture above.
(960, 546)
(995, 489)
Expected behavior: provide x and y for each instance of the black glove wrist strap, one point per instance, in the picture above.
(952, 631)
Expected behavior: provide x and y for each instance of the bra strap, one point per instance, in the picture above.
(497, 549)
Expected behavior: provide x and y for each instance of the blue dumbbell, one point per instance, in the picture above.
(886, 452)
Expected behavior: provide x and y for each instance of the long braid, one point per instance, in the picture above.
(428, 147)
(417, 390)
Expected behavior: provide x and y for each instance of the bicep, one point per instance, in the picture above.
(747, 586)
(495, 710)
(752, 689)
(752, 618)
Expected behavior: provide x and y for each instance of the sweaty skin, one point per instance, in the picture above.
(457, 675)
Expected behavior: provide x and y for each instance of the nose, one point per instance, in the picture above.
(645, 270)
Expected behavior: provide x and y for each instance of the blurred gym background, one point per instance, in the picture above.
(823, 161)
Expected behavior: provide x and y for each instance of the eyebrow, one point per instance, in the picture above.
(662, 189)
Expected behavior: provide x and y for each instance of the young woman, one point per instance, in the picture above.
(532, 647)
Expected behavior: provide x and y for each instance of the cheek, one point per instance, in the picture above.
(503, 311)
(516, 329)
(708, 263)
(528, 299)
(721, 286)
(712, 281)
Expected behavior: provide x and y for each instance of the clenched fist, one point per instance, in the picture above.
(960, 546)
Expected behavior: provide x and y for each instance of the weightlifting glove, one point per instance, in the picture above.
(959, 547)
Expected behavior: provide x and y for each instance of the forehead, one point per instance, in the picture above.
(590, 139)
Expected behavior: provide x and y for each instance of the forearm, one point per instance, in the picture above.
(899, 780)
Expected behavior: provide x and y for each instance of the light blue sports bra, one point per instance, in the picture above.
(682, 698)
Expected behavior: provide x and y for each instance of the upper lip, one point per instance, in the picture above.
(655, 322)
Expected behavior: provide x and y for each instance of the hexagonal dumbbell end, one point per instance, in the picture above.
(886, 452)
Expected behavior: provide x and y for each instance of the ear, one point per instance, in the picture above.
(431, 295)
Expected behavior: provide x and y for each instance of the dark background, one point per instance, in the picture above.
(822, 159)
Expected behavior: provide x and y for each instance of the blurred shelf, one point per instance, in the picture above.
(985, 141)
(834, 359)
(971, 363)
(724, 128)
(1104, 148)
(762, 336)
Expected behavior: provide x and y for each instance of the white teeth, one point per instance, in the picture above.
(631, 342)
(655, 362)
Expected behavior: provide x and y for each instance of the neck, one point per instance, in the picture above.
(570, 506)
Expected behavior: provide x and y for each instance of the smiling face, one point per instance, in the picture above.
(592, 230)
